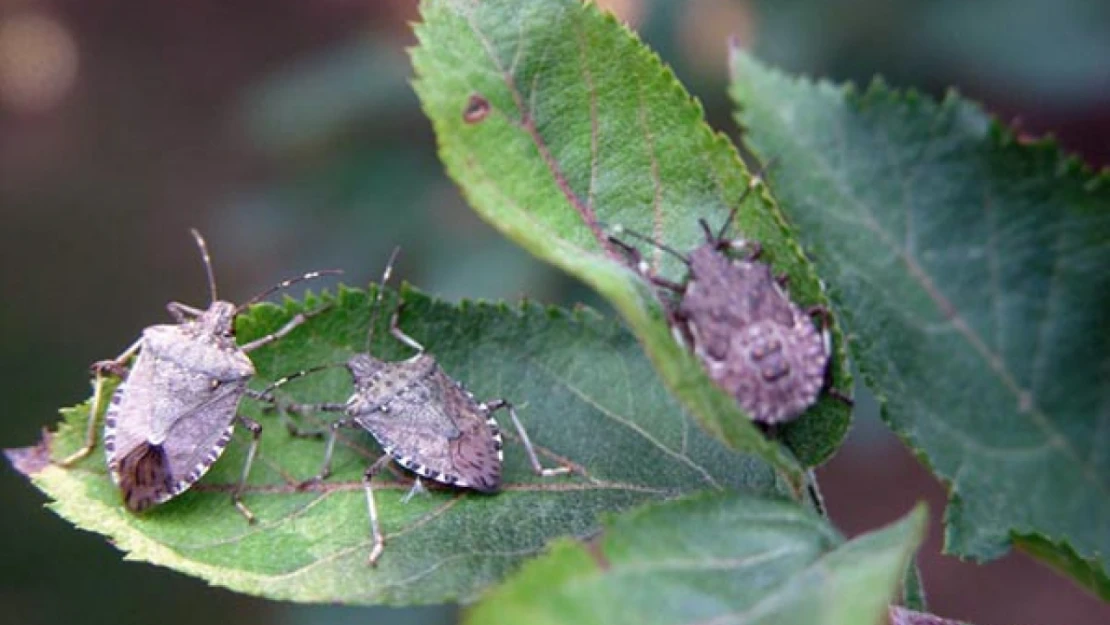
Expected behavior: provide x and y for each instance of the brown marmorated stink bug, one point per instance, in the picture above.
(176, 409)
(424, 420)
(754, 341)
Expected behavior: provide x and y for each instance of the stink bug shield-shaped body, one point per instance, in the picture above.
(424, 420)
(175, 411)
(754, 341)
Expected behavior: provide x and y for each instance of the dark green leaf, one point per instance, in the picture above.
(583, 388)
(725, 560)
(972, 271)
(555, 120)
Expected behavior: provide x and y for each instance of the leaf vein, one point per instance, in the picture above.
(684, 459)
(527, 123)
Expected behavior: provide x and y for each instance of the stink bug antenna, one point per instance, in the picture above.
(267, 393)
(285, 284)
(378, 299)
(207, 262)
(646, 239)
(753, 182)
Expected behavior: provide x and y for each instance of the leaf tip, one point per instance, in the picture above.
(918, 518)
(31, 460)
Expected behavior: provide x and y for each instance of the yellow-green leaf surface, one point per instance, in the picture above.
(720, 559)
(974, 272)
(557, 122)
(582, 386)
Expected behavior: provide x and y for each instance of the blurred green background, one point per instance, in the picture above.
(287, 132)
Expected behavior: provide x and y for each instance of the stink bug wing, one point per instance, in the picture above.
(144, 477)
(415, 437)
(127, 422)
(476, 452)
(198, 438)
(437, 430)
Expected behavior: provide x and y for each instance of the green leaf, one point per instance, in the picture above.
(972, 270)
(711, 559)
(555, 119)
(582, 387)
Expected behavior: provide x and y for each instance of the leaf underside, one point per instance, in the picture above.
(711, 559)
(583, 389)
(558, 124)
(972, 269)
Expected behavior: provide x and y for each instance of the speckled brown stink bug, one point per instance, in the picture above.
(175, 411)
(424, 420)
(754, 341)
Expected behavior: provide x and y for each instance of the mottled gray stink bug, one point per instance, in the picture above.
(175, 411)
(424, 420)
(754, 341)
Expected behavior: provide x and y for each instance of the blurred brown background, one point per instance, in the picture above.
(287, 132)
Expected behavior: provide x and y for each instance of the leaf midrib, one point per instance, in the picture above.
(528, 125)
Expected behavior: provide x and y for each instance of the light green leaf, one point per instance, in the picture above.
(711, 559)
(971, 269)
(556, 121)
(583, 389)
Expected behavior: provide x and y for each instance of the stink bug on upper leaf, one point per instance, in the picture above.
(754, 341)
(424, 420)
(175, 411)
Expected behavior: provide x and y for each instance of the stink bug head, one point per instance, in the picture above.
(376, 380)
(363, 366)
(218, 320)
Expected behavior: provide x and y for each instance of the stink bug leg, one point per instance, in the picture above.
(417, 489)
(538, 468)
(237, 494)
(117, 367)
(399, 334)
(824, 320)
(372, 509)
